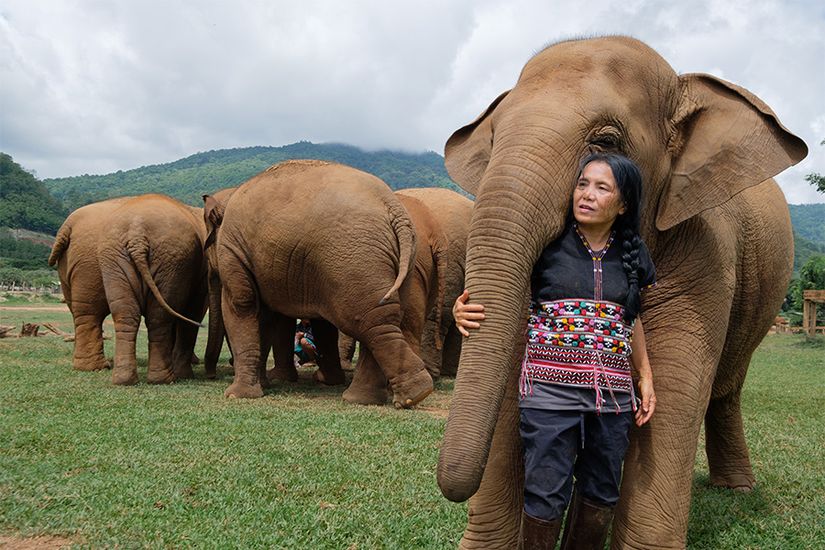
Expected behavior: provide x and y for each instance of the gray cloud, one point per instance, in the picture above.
(92, 87)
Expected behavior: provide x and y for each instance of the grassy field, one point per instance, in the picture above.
(180, 466)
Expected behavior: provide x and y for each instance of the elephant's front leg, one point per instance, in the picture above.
(430, 352)
(658, 469)
(239, 308)
(278, 333)
(186, 334)
(494, 514)
(329, 362)
(217, 331)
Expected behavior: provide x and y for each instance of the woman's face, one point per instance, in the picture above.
(596, 199)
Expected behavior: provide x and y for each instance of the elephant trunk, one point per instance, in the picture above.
(516, 214)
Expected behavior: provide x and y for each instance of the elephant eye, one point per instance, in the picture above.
(607, 138)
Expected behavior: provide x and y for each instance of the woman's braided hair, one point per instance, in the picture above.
(629, 181)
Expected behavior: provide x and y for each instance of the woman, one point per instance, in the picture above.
(577, 393)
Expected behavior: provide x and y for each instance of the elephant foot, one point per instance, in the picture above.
(90, 366)
(412, 391)
(335, 378)
(740, 482)
(243, 391)
(160, 377)
(366, 396)
(195, 360)
(282, 374)
(264, 381)
(211, 372)
(184, 372)
(124, 377)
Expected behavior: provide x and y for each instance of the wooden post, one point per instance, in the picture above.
(811, 298)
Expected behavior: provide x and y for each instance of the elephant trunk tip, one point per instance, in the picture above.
(453, 488)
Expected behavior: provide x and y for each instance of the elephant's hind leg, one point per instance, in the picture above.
(88, 341)
(380, 332)
(127, 322)
(89, 308)
(240, 314)
(161, 329)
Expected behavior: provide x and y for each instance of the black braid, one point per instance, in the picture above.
(630, 262)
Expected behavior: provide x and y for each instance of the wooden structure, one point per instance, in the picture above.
(811, 298)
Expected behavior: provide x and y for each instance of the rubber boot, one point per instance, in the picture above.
(538, 534)
(587, 525)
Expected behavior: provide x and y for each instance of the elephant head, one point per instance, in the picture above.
(698, 140)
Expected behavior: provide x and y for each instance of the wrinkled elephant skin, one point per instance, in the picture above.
(134, 257)
(719, 232)
(322, 241)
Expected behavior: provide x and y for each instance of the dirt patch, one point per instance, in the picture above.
(43, 542)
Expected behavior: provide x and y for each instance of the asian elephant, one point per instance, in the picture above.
(452, 212)
(440, 343)
(143, 256)
(421, 292)
(323, 241)
(75, 254)
(718, 230)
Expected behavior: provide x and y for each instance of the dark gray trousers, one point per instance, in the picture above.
(559, 445)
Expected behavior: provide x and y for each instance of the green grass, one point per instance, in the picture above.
(179, 465)
(783, 403)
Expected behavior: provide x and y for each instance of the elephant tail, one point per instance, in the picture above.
(61, 243)
(404, 232)
(138, 249)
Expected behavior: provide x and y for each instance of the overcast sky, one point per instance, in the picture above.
(95, 86)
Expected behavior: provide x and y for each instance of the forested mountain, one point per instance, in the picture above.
(189, 178)
(24, 201)
(809, 221)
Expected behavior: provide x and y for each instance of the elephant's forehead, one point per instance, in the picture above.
(611, 58)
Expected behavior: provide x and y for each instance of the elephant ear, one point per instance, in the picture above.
(212, 216)
(725, 139)
(467, 152)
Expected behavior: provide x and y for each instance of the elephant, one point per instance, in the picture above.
(273, 326)
(440, 343)
(75, 254)
(719, 233)
(452, 211)
(323, 241)
(136, 256)
(421, 292)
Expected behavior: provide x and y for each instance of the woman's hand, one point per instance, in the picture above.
(645, 411)
(466, 315)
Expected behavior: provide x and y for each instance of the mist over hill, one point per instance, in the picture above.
(189, 178)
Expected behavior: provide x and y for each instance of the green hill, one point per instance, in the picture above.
(809, 221)
(25, 203)
(189, 178)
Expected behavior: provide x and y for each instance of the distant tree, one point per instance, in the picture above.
(811, 277)
(24, 201)
(816, 179)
